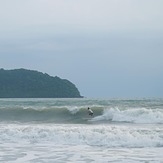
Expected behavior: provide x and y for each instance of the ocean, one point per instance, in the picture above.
(61, 131)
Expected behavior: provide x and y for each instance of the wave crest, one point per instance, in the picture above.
(131, 115)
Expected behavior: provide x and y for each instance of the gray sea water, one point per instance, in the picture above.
(60, 130)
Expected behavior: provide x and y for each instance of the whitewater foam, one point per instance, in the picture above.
(131, 115)
(109, 136)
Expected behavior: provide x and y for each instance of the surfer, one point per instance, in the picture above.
(90, 112)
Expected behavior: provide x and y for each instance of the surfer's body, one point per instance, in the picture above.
(90, 112)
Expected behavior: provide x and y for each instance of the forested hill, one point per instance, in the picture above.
(22, 83)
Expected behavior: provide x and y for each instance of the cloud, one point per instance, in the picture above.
(107, 48)
(83, 15)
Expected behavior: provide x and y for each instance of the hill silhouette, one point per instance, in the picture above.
(22, 83)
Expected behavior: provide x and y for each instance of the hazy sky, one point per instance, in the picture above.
(107, 48)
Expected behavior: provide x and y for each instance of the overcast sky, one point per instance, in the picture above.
(107, 48)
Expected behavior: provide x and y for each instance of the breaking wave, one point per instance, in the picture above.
(76, 114)
(107, 136)
(131, 115)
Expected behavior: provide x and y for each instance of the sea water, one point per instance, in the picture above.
(60, 130)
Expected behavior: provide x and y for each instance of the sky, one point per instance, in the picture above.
(107, 48)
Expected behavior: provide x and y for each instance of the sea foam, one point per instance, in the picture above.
(108, 136)
(131, 115)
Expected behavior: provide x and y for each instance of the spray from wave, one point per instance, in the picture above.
(108, 136)
(131, 115)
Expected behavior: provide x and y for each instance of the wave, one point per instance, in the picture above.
(100, 135)
(131, 115)
(79, 114)
(57, 114)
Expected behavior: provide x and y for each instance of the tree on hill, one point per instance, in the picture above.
(22, 83)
